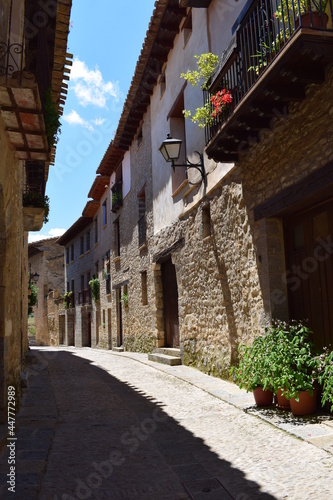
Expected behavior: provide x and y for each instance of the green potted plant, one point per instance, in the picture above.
(293, 364)
(37, 200)
(206, 64)
(325, 377)
(94, 284)
(253, 371)
(67, 299)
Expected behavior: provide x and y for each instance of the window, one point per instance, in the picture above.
(108, 279)
(82, 281)
(72, 253)
(116, 238)
(96, 229)
(187, 27)
(67, 287)
(105, 218)
(87, 241)
(67, 255)
(144, 294)
(96, 269)
(206, 221)
(177, 129)
(142, 217)
(81, 245)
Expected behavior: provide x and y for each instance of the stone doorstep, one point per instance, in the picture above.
(118, 349)
(168, 351)
(166, 359)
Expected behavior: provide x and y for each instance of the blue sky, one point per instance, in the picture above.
(105, 41)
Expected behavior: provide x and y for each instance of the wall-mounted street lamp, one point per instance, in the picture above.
(35, 277)
(170, 150)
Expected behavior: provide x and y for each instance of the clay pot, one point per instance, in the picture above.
(262, 398)
(318, 20)
(282, 402)
(307, 404)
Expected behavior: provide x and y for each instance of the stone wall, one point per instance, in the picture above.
(55, 318)
(13, 272)
(47, 259)
(133, 269)
(228, 275)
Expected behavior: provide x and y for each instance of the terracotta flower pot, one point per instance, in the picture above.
(262, 398)
(314, 20)
(307, 404)
(282, 402)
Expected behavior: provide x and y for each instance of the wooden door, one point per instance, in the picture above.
(119, 318)
(170, 304)
(309, 256)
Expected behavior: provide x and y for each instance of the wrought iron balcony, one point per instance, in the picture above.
(29, 68)
(279, 47)
(117, 196)
(34, 200)
(85, 296)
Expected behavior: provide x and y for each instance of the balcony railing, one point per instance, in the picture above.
(117, 196)
(84, 296)
(266, 29)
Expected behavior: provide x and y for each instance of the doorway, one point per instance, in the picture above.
(170, 304)
(119, 318)
(309, 260)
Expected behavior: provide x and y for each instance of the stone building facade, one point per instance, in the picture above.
(47, 260)
(24, 160)
(131, 250)
(220, 256)
(79, 269)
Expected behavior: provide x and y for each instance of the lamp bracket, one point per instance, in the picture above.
(198, 166)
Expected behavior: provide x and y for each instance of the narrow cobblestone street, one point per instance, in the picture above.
(96, 424)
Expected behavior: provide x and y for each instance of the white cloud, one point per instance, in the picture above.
(73, 118)
(90, 88)
(99, 121)
(52, 233)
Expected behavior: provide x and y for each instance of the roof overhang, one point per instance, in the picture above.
(98, 187)
(74, 230)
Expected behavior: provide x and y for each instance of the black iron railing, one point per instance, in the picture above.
(26, 55)
(84, 296)
(142, 229)
(263, 32)
(117, 196)
(11, 58)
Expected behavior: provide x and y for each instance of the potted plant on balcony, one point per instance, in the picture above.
(289, 13)
(94, 284)
(67, 299)
(51, 119)
(206, 64)
(253, 371)
(37, 200)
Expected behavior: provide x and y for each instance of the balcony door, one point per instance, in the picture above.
(309, 260)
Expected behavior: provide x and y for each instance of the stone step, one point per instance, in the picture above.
(168, 351)
(164, 359)
(118, 349)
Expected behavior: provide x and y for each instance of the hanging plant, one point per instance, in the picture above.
(51, 118)
(206, 64)
(94, 284)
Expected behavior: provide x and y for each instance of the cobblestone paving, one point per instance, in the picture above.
(110, 427)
